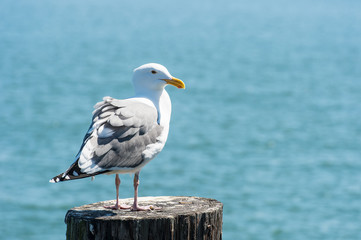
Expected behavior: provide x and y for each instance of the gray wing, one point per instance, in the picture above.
(121, 131)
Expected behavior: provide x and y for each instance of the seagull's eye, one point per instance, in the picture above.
(154, 72)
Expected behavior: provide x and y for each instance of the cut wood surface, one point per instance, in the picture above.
(177, 218)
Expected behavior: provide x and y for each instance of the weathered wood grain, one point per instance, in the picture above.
(178, 218)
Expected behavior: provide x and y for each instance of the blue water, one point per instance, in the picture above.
(269, 123)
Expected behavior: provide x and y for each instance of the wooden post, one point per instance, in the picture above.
(178, 218)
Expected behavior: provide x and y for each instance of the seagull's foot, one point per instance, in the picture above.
(144, 208)
(117, 207)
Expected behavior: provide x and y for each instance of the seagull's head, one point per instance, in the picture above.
(155, 77)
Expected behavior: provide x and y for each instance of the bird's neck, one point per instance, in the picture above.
(162, 103)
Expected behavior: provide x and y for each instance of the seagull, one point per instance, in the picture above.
(126, 134)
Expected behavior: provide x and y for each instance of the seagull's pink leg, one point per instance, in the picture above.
(135, 206)
(117, 206)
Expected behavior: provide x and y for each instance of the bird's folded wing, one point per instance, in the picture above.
(120, 132)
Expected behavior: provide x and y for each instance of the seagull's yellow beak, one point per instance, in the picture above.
(175, 82)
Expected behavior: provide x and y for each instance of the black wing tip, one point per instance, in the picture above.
(60, 178)
(72, 176)
(68, 176)
(72, 173)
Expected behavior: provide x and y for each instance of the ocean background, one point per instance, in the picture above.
(269, 123)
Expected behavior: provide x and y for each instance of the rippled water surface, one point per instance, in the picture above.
(269, 123)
